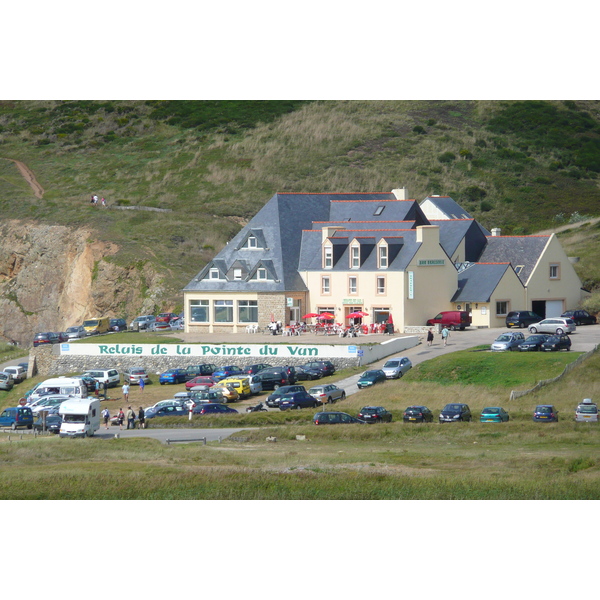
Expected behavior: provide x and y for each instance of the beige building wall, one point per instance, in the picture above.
(566, 287)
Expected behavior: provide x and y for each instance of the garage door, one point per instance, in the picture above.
(554, 308)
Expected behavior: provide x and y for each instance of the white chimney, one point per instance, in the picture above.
(401, 193)
(496, 232)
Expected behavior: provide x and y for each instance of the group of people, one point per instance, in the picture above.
(445, 333)
(130, 416)
(94, 200)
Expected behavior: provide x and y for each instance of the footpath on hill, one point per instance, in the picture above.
(29, 177)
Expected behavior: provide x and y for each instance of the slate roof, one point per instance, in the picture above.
(517, 250)
(452, 232)
(478, 282)
(449, 207)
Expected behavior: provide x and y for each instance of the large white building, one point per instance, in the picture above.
(380, 253)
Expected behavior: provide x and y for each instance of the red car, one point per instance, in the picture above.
(166, 317)
(201, 380)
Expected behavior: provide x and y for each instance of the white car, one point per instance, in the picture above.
(255, 384)
(553, 325)
(142, 322)
(112, 376)
(18, 373)
(48, 402)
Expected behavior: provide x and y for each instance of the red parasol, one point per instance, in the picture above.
(310, 315)
(390, 320)
(326, 315)
(355, 315)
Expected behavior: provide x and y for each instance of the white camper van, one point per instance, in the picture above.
(63, 386)
(80, 417)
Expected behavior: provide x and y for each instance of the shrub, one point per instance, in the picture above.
(418, 129)
(446, 157)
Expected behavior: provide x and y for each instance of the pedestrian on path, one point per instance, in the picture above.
(445, 335)
(121, 418)
(130, 418)
(103, 201)
(430, 337)
(105, 389)
(142, 418)
(125, 390)
(142, 385)
(106, 415)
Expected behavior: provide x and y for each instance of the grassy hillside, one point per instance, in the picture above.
(521, 166)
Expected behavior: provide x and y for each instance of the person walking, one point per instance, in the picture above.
(105, 389)
(121, 418)
(142, 418)
(130, 418)
(445, 335)
(97, 390)
(103, 202)
(430, 337)
(106, 415)
(142, 385)
(125, 390)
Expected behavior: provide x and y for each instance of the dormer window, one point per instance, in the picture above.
(518, 269)
(214, 273)
(382, 257)
(355, 257)
(327, 257)
(261, 274)
(237, 274)
(251, 242)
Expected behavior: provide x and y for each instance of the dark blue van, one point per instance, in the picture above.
(18, 416)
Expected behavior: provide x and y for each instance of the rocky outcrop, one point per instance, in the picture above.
(52, 277)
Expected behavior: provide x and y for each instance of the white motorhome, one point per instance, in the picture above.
(80, 417)
(64, 386)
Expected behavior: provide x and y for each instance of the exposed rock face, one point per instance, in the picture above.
(52, 277)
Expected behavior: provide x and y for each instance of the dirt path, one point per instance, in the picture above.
(29, 177)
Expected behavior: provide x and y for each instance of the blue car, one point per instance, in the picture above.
(369, 378)
(17, 416)
(173, 376)
(229, 371)
(212, 408)
(493, 414)
(167, 411)
(296, 400)
(545, 413)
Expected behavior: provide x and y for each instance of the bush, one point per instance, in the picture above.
(446, 157)
(418, 129)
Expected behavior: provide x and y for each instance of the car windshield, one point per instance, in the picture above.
(544, 409)
(588, 409)
(90, 323)
(391, 363)
(315, 390)
(504, 338)
(74, 418)
(72, 329)
(368, 410)
(453, 407)
(536, 338)
(491, 411)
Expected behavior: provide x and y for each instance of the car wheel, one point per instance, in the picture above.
(315, 405)
(451, 328)
(532, 330)
(13, 426)
(343, 395)
(276, 386)
(329, 400)
(521, 325)
(400, 375)
(559, 331)
(162, 383)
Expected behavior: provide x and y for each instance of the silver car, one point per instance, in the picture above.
(327, 393)
(553, 325)
(396, 367)
(586, 412)
(507, 341)
(76, 332)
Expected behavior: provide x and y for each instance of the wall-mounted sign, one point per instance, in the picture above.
(356, 301)
(290, 302)
(436, 262)
(411, 285)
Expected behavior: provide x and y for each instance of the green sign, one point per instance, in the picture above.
(436, 262)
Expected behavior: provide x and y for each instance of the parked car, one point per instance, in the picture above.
(159, 326)
(110, 375)
(335, 418)
(240, 384)
(395, 367)
(227, 371)
(533, 343)
(49, 402)
(452, 319)
(142, 322)
(228, 392)
(274, 398)
(17, 416)
(493, 414)
(174, 375)
(89, 382)
(213, 394)
(171, 402)
(375, 414)
(417, 414)
(254, 369)
(305, 374)
(6, 381)
(173, 410)
(581, 317)
(451, 413)
(369, 378)
(274, 378)
(586, 412)
(554, 325)
(297, 400)
(206, 380)
(178, 324)
(192, 371)
(521, 318)
(545, 413)
(52, 421)
(255, 384)
(557, 342)
(133, 375)
(76, 332)
(213, 408)
(167, 317)
(326, 367)
(507, 341)
(48, 337)
(118, 325)
(327, 393)
(18, 373)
